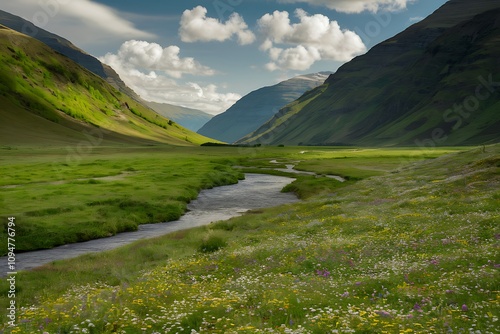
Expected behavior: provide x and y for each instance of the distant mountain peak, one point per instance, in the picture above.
(255, 108)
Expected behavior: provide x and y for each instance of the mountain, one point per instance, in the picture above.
(189, 118)
(47, 99)
(436, 83)
(254, 109)
(66, 48)
(192, 119)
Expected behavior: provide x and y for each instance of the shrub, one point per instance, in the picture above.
(212, 244)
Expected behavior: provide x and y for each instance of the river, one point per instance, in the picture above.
(220, 203)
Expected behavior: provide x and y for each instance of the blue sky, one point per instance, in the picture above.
(207, 54)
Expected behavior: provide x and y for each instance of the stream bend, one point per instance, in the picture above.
(256, 191)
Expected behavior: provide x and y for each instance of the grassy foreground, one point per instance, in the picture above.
(415, 250)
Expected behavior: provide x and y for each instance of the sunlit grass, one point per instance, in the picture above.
(415, 250)
(57, 203)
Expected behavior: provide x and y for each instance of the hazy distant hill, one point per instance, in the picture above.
(192, 119)
(251, 111)
(436, 83)
(47, 99)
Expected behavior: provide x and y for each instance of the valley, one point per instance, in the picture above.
(200, 171)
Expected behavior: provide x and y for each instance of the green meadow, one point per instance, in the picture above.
(60, 198)
(408, 244)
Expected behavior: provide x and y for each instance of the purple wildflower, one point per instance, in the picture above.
(384, 314)
(325, 273)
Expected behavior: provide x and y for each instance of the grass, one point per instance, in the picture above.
(413, 250)
(61, 198)
(104, 193)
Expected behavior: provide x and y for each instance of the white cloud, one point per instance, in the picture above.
(148, 69)
(82, 21)
(196, 26)
(314, 38)
(357, 6)
(153, 57)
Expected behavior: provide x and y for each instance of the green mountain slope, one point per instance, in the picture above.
(192, 119)
(57, 43)
(189, 118)
(436, 83)
(46, 98)
(256, 108)
(68, 49)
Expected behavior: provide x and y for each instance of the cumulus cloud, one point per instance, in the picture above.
(83, 21)
(153, 57)
(195, 26)
(314, 38)
(150, 70)
(357, 6)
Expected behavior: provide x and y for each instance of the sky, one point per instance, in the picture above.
(207, 54)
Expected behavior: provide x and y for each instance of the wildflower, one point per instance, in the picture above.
(384, 314)
(465, 308)
(324, 273)
(417, 307)
(434, 262)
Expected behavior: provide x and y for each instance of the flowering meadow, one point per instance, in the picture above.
(412, 251)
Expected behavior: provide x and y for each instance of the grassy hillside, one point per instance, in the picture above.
(48, 99)
(55, 42)
(436, 83)
(410, 251)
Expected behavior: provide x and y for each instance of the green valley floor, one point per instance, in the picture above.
(409, 244)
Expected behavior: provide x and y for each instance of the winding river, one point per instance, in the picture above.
(221, 203)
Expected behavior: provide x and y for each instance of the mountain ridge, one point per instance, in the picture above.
(65, 47)
(402, 90)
